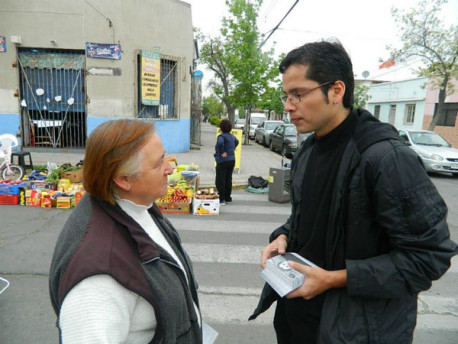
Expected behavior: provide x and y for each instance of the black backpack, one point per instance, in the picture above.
(257, 182)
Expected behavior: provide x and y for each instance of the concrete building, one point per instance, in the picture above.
(410, 104)
(67, 66)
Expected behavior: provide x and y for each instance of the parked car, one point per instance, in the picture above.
(284, 139)
(435, 152)
(256, 118)
(263, 131)
(239, 123)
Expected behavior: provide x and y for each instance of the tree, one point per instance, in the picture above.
(270, 99)
(241, 68)
(212, 106)
(424, 35)
(361, 95)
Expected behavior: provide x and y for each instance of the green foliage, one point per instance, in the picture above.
(55, 174)
(242, 70)
(424, 35)
(361, 95)
(215, 120)
(211, 105)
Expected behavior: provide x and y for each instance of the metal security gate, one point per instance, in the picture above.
(53, 98)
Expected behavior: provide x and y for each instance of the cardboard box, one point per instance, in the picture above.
(63, 202)
(73, 176)
(174, 207)
(205, 206)
(32, 198)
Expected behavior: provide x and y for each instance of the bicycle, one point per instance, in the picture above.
(7, 169)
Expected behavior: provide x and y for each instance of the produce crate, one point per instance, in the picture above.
(9, 199)
(175, 207)
(205, 206)
(10, 189)
(73, 176)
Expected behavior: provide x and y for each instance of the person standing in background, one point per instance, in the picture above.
(225, 161)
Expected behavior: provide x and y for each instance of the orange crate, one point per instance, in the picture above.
(9, 199)
(174, 207)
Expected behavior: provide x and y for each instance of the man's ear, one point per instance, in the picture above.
(122, 182)
(337, 92)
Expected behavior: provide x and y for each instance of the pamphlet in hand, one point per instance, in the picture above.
(280, 276)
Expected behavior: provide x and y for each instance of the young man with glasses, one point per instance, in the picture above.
(363, 209)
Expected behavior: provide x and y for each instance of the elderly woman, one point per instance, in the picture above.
(119, 273)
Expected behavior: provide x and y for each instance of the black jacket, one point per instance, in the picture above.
(387, 226)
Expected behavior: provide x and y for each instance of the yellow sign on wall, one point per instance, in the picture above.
(151, 77)
(238, 150)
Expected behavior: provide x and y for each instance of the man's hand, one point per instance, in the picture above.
(317, 281)
(224, 154)
(276, 247)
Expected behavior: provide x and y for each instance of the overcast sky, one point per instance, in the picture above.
(364, 27)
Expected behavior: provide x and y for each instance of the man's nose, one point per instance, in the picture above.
(289, 106)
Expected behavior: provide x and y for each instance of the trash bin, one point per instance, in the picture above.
(279, 185)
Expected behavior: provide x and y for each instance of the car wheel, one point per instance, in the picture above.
(264, 143)
(272, 147)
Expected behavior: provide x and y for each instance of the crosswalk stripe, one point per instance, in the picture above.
(219, 253)
(234, 306)
(254, 209)
(223, 226)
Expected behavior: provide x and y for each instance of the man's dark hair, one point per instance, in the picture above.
(326, 61)
(225, 126)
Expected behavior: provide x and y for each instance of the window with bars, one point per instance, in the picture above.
(410, 114)
(449, 112)
(168, 104)
(377, 111)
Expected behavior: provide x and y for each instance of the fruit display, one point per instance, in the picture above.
(178, 193)
(10, 182)
(209, 193)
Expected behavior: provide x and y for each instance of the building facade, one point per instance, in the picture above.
(411, 104)
(67, 66)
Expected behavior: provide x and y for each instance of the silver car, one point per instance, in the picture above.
(239, 123)
(263, 131)
(437, 154)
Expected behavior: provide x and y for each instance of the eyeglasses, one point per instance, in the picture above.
(296, 98)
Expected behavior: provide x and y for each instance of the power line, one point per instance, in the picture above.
(276, 27)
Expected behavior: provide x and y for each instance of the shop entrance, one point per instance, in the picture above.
(52, 98)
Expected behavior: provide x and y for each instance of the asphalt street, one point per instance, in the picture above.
(225, 251)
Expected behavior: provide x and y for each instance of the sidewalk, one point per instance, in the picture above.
(256, 159)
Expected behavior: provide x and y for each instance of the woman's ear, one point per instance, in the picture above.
(122, 182)
(337, 92)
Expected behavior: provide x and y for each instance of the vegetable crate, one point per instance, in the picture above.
(9, 199)
(10, 189)
(175, 207)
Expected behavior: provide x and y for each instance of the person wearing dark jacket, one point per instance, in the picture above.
(119, 273)
(363, 209)
(225, 161)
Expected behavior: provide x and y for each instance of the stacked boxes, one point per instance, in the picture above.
(9, 193)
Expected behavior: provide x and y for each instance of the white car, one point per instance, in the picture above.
(436, 153)
(256, 118)
(239, 123)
